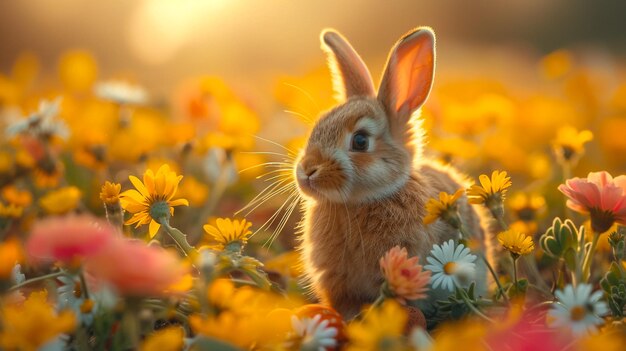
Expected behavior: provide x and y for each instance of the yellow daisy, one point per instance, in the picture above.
(110, 193)
(516, 243)
(228, 233)
(61, 201)
(167, 339)
(569, 142)
(153, 199)
(443, 208)
(489, 188)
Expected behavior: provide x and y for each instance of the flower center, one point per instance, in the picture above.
(405, 273)
(601, 220)
(159, 210)
(577, 313)
(449, 268)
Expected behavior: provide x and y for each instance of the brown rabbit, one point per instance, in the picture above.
(364, 178)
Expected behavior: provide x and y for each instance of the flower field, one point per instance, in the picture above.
(139, 220)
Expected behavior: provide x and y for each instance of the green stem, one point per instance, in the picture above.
(495, 278)
(464, 233)
(38, 279)
(589, 257)
(514, 271)
(83, 283)
(469, 304)
(179, 237)
(502, 223)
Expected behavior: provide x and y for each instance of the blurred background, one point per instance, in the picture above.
(533, 87)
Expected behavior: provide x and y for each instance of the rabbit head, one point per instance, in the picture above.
(363, 149)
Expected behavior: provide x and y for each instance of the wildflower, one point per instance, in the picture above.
(168, 339)
(314, 333)
(516, 243)
(601, 196)
(153, 201)
(68, 239)
(136, 269)
(33, 324)
(60, 201)
(404, 276)
(490, 192)
(578, 309)
(10, 211)
(490, 189)
(527, 207)
(606, 340)
(110, 193)
(71, 296)
(13, 195)
(41, 123)
(78, 70)
(229, 234)
(10, 254)
(381, 329)
(444, 208)
(122, 93)
(569, 143)
(451, 265)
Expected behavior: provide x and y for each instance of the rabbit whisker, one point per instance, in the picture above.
(270, 191)
(309, 96)
(289, 151)
(272, 218)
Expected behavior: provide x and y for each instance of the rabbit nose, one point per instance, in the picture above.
(310, 171)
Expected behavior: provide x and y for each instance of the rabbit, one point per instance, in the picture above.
(364, 178)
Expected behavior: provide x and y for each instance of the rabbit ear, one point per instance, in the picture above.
(409, 74)
(350, 75)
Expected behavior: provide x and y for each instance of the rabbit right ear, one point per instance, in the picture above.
(350, 75)
(408, 76)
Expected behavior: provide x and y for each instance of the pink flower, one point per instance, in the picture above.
(68, 239)
(600, 195)
(405, 277)
(136, 269)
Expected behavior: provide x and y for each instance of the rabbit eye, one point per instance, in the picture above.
(360, 141)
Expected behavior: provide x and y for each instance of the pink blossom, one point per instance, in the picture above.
(136, 269)
(600, 195)
(68, 239)
(405, 276)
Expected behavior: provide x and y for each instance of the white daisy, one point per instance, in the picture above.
(40, 123)
(452, 265)
(313, 333)
(72, 297)
(578, 309)
(121, 92)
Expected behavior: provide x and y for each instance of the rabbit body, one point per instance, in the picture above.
(365, 180)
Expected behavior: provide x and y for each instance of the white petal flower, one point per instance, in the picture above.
(43, 122)
(121, 92)
(420, 340)
(578, 309)
(314, 333)
(17, 275)
(452, 265)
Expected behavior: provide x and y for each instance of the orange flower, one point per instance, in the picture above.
(405, 276)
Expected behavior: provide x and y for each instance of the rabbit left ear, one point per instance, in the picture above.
(408, 75)
(350, 75)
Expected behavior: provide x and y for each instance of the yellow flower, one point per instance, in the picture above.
(78, 70)
(382, 328)
(287, 264)
(527, 206)
(48, 174)
(60, 201)
(153, 199)
(466, 335)
(569, 142)
(489, 188)
(33, 324)
(228, 233)
(10, 253)
(516, 243)
(444, 208)
(110, 193)
(10, 211)
(168, 339)
(607, 340)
